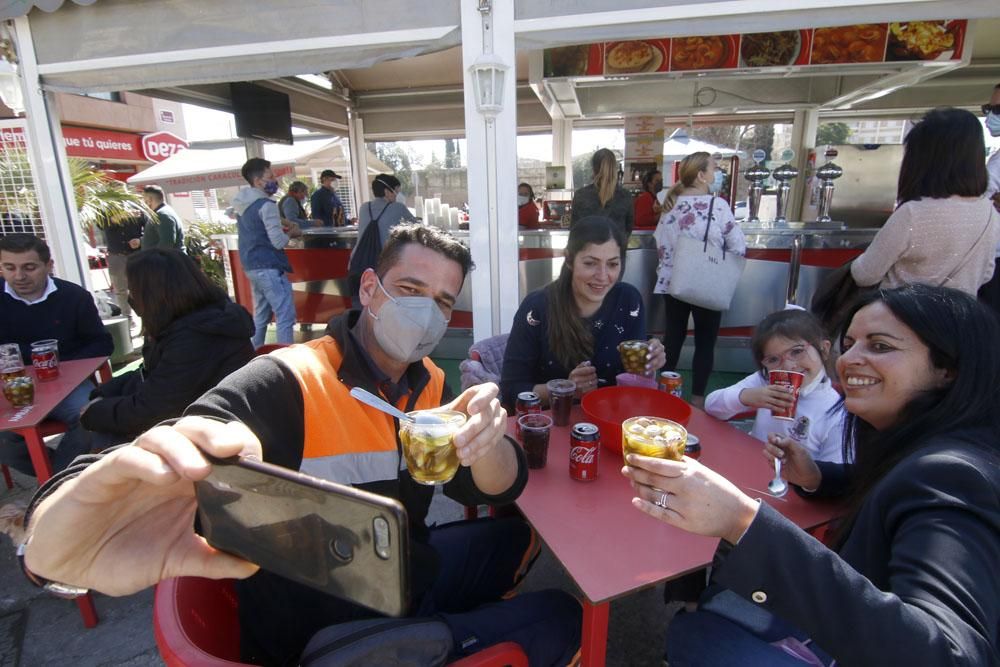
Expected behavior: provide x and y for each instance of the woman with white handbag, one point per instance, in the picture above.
(701, 257)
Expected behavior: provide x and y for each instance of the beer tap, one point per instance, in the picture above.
(784, 174)
(756, 174)
(827, 174)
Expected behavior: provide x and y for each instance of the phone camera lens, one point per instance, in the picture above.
(342, 550)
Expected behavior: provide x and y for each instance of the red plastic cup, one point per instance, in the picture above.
(791, 379)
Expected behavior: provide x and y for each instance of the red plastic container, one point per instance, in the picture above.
(610, 406)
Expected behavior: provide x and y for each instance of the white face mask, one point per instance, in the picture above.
(814, 385)
(408, 328)
(523, 199)
(717, 181)
(401, 198)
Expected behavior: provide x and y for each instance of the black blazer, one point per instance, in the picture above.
(916, 582)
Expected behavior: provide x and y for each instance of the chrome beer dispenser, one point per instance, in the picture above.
(756, 174)
(827, 174)
(784, 174)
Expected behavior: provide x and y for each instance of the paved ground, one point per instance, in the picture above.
(54, 635)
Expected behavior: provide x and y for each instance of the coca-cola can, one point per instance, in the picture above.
(584, 452)
(45, 359)
(527, 401)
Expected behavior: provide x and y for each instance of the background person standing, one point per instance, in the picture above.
(262, 251)
(166, 230)
(326, 205)
(122, 240)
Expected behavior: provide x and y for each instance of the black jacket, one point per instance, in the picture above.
(190, 357)
(915, 582)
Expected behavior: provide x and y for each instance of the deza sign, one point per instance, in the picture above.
(160, 145)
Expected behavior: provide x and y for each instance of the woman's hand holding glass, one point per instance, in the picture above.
(797, 466)
(657, 355)
(690, 496)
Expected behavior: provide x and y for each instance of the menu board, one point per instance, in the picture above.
(643, 147)
(860, 43)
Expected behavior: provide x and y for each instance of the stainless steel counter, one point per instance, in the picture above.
(784, 263)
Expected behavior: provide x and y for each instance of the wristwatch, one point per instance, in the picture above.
(54, 587)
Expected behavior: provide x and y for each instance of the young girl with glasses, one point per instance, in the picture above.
(791, 340)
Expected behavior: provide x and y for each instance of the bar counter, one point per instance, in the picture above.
(785, 263)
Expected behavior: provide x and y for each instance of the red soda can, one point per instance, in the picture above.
(45, 359)
(527, 401)
(584, 452)
(671, 383)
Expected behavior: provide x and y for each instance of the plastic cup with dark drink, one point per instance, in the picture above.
(561, 393)
(792, 379)
(535, 430)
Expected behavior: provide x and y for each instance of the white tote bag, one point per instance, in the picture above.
(703, 274)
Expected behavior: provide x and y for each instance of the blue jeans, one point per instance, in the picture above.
(729, 630)
(272, 294)
(481, 560)
(14, 451)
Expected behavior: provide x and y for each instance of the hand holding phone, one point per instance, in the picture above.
(340, 540)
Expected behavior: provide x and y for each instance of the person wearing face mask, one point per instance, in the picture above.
(293, 408)
(989, 293)
(690, 207)
(527, 210)
(262, 242)
(387, 209)
(166, 232)
(647, 208)
(992, 113)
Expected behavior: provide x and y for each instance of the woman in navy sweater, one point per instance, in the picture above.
(571, 328)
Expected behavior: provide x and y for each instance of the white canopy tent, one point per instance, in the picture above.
(204, 168)
(112, 48)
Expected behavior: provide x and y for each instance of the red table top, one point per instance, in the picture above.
(48, 394)
(611, 549)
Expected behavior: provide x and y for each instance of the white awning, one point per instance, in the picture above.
(202, 169)
(128, 45)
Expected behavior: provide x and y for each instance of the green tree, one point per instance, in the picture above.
(452, 158)
(402, 160)
(832, 133)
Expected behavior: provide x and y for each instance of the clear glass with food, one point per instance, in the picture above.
(429, 445)
(19, 390)
(635, 356)
(653, 436)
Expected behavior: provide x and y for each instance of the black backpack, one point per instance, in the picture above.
(386, 642)
(369, 246)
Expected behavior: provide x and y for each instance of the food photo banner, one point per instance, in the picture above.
(861, 43)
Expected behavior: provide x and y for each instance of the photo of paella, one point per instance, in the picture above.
(861, 43)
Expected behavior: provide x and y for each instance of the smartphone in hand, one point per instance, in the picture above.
(337, 539)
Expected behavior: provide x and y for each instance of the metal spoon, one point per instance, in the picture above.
(374, 401)
(777, 486)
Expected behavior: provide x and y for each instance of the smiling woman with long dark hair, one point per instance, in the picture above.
(572, 327)
(911, 575)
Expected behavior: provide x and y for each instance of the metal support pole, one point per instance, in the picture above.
(492, 172)
(359, 158)
(794, 263)
(50, 166)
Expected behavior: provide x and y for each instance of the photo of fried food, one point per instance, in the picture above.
(769, 49)
(919, 40)
(697, 53)
(862, 43)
